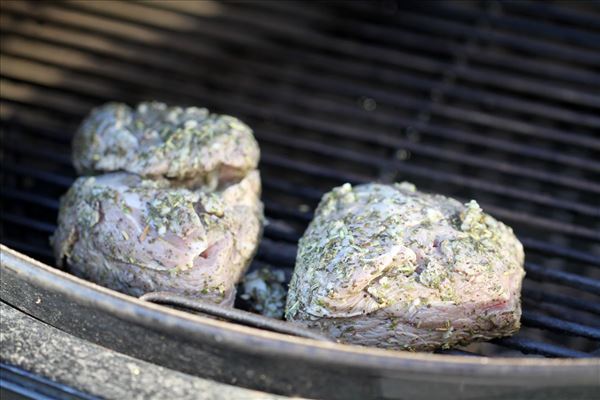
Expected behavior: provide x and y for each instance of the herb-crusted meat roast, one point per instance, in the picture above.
(178, 208)
(154, 140)
(389, 266)
(136, 235)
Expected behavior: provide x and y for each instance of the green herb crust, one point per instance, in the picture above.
(154, 140)
(137, 236)
(406, 269)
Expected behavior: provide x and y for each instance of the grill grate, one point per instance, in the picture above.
(487, 100)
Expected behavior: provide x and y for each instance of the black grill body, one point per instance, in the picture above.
(497, 101)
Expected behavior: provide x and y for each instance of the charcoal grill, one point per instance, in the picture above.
(497, 101)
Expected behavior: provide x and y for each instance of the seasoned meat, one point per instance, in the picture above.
(389, 266)
(264, 292)
(137, 235)
(155, 140)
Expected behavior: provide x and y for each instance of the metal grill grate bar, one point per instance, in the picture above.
(39, 226)
(337, 44)
(35, 251)
(448, 28)
(517, 42)
(566, 278)
(591, 210)
(279, 162)
(331, 63)
(564, 252)
(537, 9)
(410, 39)
(538, 295)
(347, 177)
(529, 346)
(453, 135)
(558, 325)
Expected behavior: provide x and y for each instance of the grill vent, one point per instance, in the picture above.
(496, 101)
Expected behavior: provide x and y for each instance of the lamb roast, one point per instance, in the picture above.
(176, 205)
(393, 267)
(155, 140)
(138, 236)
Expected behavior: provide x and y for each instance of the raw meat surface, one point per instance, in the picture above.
(137, 235)
(154, 140)
(389, 266)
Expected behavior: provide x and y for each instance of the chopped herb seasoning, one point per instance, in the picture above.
(375, 253)
(264, 291)
(187, 144)
(138, 235)
(144, 233)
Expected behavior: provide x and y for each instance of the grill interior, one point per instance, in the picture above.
(497, 101)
